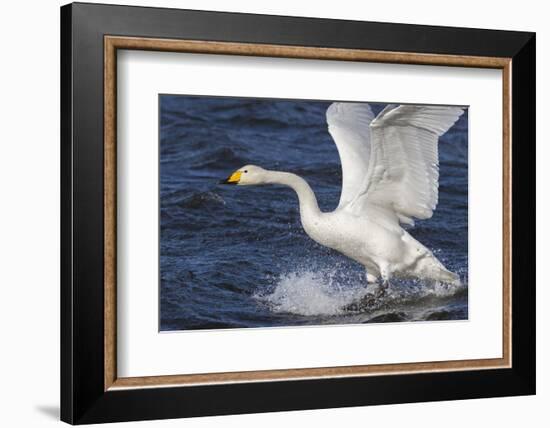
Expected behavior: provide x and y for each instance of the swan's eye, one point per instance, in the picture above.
(245, 171)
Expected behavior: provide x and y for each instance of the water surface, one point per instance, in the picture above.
(236, 257)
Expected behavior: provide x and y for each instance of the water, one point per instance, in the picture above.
(236, 257)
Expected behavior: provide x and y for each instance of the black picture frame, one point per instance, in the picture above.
(83, 398)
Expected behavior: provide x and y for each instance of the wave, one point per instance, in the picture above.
(246, 119)
(331, 292)
(219, 159)
(201, 200)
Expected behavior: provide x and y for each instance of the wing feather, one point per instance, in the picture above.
(398, 169)
(348, 124)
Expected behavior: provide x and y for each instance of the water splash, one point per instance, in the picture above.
(311, 292)
(333, 291)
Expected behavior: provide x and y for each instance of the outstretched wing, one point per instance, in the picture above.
(348, 124)
(402, 166)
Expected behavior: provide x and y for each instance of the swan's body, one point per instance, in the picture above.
(389, 176)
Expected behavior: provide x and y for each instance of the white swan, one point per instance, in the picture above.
(390, 175)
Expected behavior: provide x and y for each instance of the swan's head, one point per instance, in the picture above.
(248, 174)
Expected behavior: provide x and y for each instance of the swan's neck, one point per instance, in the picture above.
(308, 202)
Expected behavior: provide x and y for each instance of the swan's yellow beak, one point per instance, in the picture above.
(233, 178)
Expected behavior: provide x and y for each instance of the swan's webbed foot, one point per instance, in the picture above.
(383, 288)
(375, 287)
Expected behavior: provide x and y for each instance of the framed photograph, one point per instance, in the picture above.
(266, 213)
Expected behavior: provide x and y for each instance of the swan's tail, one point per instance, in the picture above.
(429, 267)
(426, 266)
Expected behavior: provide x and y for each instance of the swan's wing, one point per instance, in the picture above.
(403, 174)
(348, 124)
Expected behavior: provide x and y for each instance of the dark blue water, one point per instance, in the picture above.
(234, 257)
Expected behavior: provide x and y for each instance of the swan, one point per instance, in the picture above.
(390, 173)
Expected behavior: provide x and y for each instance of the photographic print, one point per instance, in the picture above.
(277, 213)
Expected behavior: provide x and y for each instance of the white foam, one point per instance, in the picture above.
(312, 292)
(331, 291)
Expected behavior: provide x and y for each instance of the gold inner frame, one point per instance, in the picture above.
(113, 43)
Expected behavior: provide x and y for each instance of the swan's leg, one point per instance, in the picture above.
(386, 275)
(373, 274)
